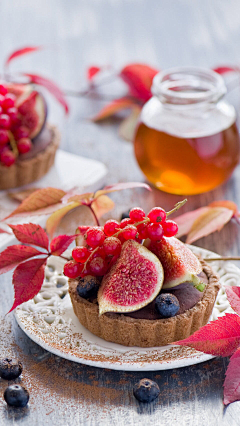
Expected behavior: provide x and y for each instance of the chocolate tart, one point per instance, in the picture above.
(33, 165)
(128, 331)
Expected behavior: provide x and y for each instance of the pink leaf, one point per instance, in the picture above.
(13, 255)
(233, 295)
(60, 244)
(114, 107)
(186, 220)
(219, 338)
(92, 71)
(21, 52)
(224, 70)
(232, 379)
(27, 280)
(120, 187)
(51, 87)
(139, 78)
(30, 233)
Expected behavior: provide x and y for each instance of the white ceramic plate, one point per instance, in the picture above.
(49, 320)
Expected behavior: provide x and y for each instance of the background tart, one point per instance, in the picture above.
(33, 165)
(128, 331)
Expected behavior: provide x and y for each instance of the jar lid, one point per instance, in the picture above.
(188, 85)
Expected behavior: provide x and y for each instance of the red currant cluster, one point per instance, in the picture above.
(14, 138)
(103, 244)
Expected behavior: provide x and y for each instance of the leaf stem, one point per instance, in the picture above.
(176, 207)
(94, 215)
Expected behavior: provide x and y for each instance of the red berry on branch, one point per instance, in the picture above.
(21, 132)
(95, 236)
(9, 101)
(142, 231)
(137, 214)
(157, 215)
(3, 137)
(98, 266)
(112, 246)
(100, 252)
(155, 231)
(72, 269)
(80, 254)
(129, 232)
(125, 222)
(111, 227)
(12, 113)
(170, 228)
(5, 121)
(3, 90)
(24, 145)
(7, 157)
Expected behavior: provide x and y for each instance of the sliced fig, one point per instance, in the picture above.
(18, 89)
(179, 263)
(33, 112)
(132, 282)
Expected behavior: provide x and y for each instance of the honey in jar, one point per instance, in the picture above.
(187, 141)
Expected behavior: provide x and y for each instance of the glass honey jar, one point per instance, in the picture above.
(187, 141)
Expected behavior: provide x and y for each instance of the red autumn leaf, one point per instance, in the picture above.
(27, 280)
(219, 338)
(30, 233)
(139, 78)
(233, 295)
(224, 70)
(13, 255)
(21, 52)
(232, 379)
(114, 107)
(51, 87)
(60, 244)
(92, 71)
(120, 187)
(43, 201)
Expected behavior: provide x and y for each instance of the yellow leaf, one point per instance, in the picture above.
(102, 205)
(210, 221)
(54, 220)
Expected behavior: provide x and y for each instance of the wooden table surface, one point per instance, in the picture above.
(78, 34)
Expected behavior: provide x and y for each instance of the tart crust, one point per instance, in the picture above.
(27, 171)
(127, 331)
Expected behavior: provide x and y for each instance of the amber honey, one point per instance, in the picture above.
(186, 166)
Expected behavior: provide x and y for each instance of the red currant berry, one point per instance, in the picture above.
(100, 252)
(80, 254)
(12, 113)
(5, 121)
(155, 231)
(3, 90)
(1, 99)
(72, 269)
(3, 137)
(112, 246)
(125, 222)
(24, 145)
(21, 132)
(7, 157)
(170, 228)
(9, 101)
(157, 215)
(111, 227)
(142, 231)
(95, 236)
(137, 214)
(129, 232)
(98, 266)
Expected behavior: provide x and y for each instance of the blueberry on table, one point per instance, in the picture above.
(88, 286)
(146, 390)
(16, 396)
(10, 369)
(167, 305)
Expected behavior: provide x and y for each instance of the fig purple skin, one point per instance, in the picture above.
(44, 115)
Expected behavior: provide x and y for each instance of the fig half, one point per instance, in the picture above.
(132, 282)
(32, 109)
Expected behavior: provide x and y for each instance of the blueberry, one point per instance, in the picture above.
(167, 305)
(146, 390)
(10, 369)
(125, 215)
(88, 286)
(16, 396)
